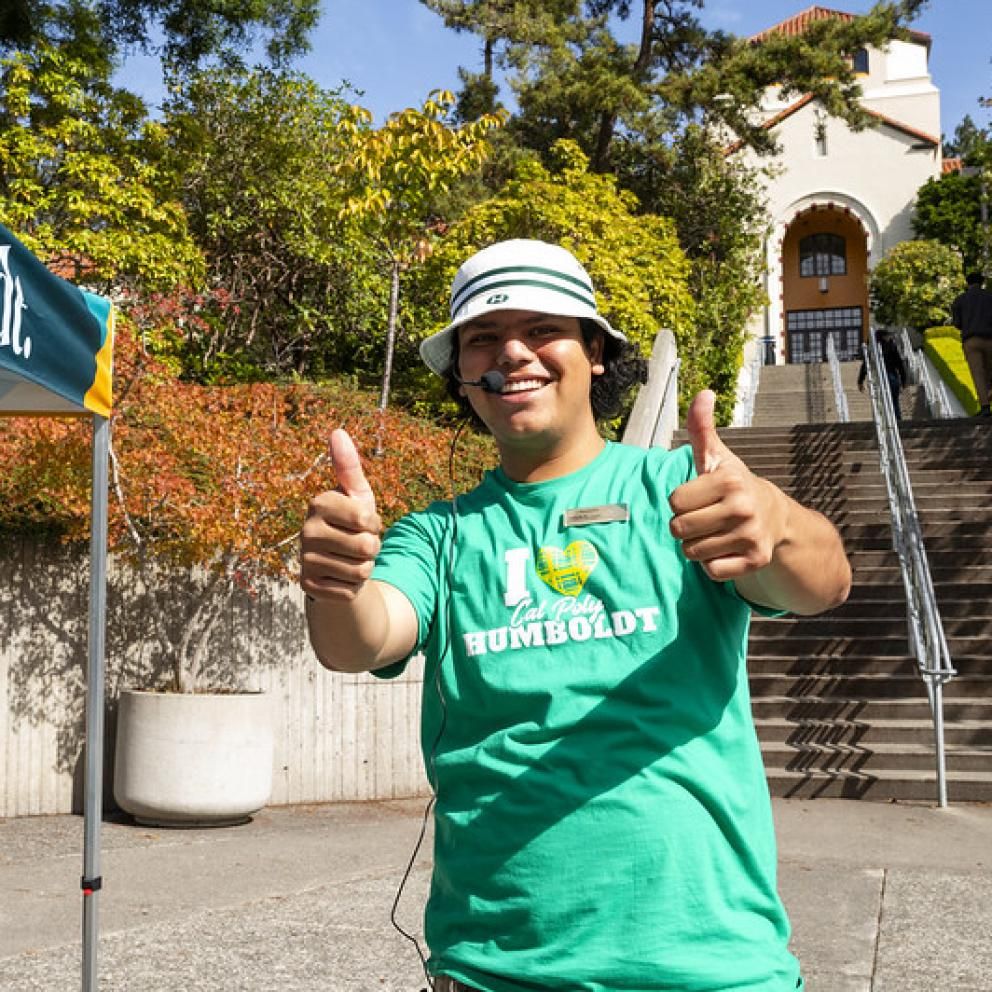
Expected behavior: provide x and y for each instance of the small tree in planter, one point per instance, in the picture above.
(218, 479)
(214, 479)
(207, 480)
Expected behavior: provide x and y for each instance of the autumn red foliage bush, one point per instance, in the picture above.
(217, 476)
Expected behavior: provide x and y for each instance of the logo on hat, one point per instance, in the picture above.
(497, 298)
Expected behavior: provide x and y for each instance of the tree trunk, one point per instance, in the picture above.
(387, 372)
(601, 154)
(647, 32)
(208, 611)
(487, 59)
(394, 305)
(642, 64)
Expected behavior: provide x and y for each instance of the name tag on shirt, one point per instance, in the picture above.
(580, 516)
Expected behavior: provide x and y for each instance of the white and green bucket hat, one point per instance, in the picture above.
(515, 275)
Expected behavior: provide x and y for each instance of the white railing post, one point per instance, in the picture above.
(747, 389)
(655, 416)
(840, 397)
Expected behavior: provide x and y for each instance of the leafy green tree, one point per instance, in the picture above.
(575, 79)
(17, 21)
(82, 180)
(727, 84)
(258, 155)
(396, 174)
(718, 208)
(969, 142)
(915, 284)
(957, 208)
(502, 23)
(635, 262)
(190, 31)
(949, 210)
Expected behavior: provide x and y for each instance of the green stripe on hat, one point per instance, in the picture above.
(458, 299)
(501, 284)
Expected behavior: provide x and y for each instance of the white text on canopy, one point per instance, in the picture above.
(11, 305)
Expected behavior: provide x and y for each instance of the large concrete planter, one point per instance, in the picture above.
(193, 759)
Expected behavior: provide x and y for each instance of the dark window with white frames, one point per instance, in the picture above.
(809, 329)
(822, 255)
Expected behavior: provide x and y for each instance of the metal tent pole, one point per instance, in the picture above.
(93, 803)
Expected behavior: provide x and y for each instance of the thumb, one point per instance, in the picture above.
(348, 468)
(708, 451)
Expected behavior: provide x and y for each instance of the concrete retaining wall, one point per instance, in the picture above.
(337, 737)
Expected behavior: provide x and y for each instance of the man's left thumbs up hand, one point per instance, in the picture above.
(728, 519)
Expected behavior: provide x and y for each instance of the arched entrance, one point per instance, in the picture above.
(824, 283)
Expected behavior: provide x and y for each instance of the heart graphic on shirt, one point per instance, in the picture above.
(566, 571)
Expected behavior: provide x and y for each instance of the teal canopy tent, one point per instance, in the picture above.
(56, 348)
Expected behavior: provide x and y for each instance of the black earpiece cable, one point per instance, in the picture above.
(432, 757)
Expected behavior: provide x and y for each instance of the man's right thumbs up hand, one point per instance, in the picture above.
(340, 536)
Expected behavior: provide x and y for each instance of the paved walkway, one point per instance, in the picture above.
(883, 898)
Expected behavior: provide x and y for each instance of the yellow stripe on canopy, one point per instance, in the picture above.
(99, 397)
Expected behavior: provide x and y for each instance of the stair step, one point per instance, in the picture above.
(853, 665)
(882, 575)
(869, 629)
(902, 786)
(894, 646)
(883, 542)
(963, 530)
(875, 758)
(938, 556)
(894, 732)
(857, 709)
(867, 488)
(863, 685)
(894, 605)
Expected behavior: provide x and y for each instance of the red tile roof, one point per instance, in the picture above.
(798, 23)
(951, 165)
(927, 139)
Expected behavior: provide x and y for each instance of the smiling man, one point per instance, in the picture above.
(602, 817)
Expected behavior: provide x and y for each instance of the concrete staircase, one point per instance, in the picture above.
(804, 394)
(840, 708)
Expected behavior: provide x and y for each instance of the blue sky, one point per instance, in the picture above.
(396, 51)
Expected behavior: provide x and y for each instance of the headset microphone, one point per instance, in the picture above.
(488, 382)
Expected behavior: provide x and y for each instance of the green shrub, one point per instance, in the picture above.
(640, 272)
(943, 347)
(915, 284)
(943, 333)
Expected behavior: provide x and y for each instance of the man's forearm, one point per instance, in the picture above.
(360, 634)
(809, 571)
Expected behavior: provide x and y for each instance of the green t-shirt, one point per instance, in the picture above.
(602, 818)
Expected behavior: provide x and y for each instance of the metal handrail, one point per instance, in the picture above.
(922, 372)
(926, 631)
(840, 397)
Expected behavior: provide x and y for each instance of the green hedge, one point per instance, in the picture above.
(943, 347)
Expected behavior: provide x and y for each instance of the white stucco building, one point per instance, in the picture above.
(841, 199)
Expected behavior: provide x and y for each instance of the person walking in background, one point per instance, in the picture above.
(895, 368)
(971, 314)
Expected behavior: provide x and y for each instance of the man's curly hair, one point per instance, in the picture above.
(624, 369)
